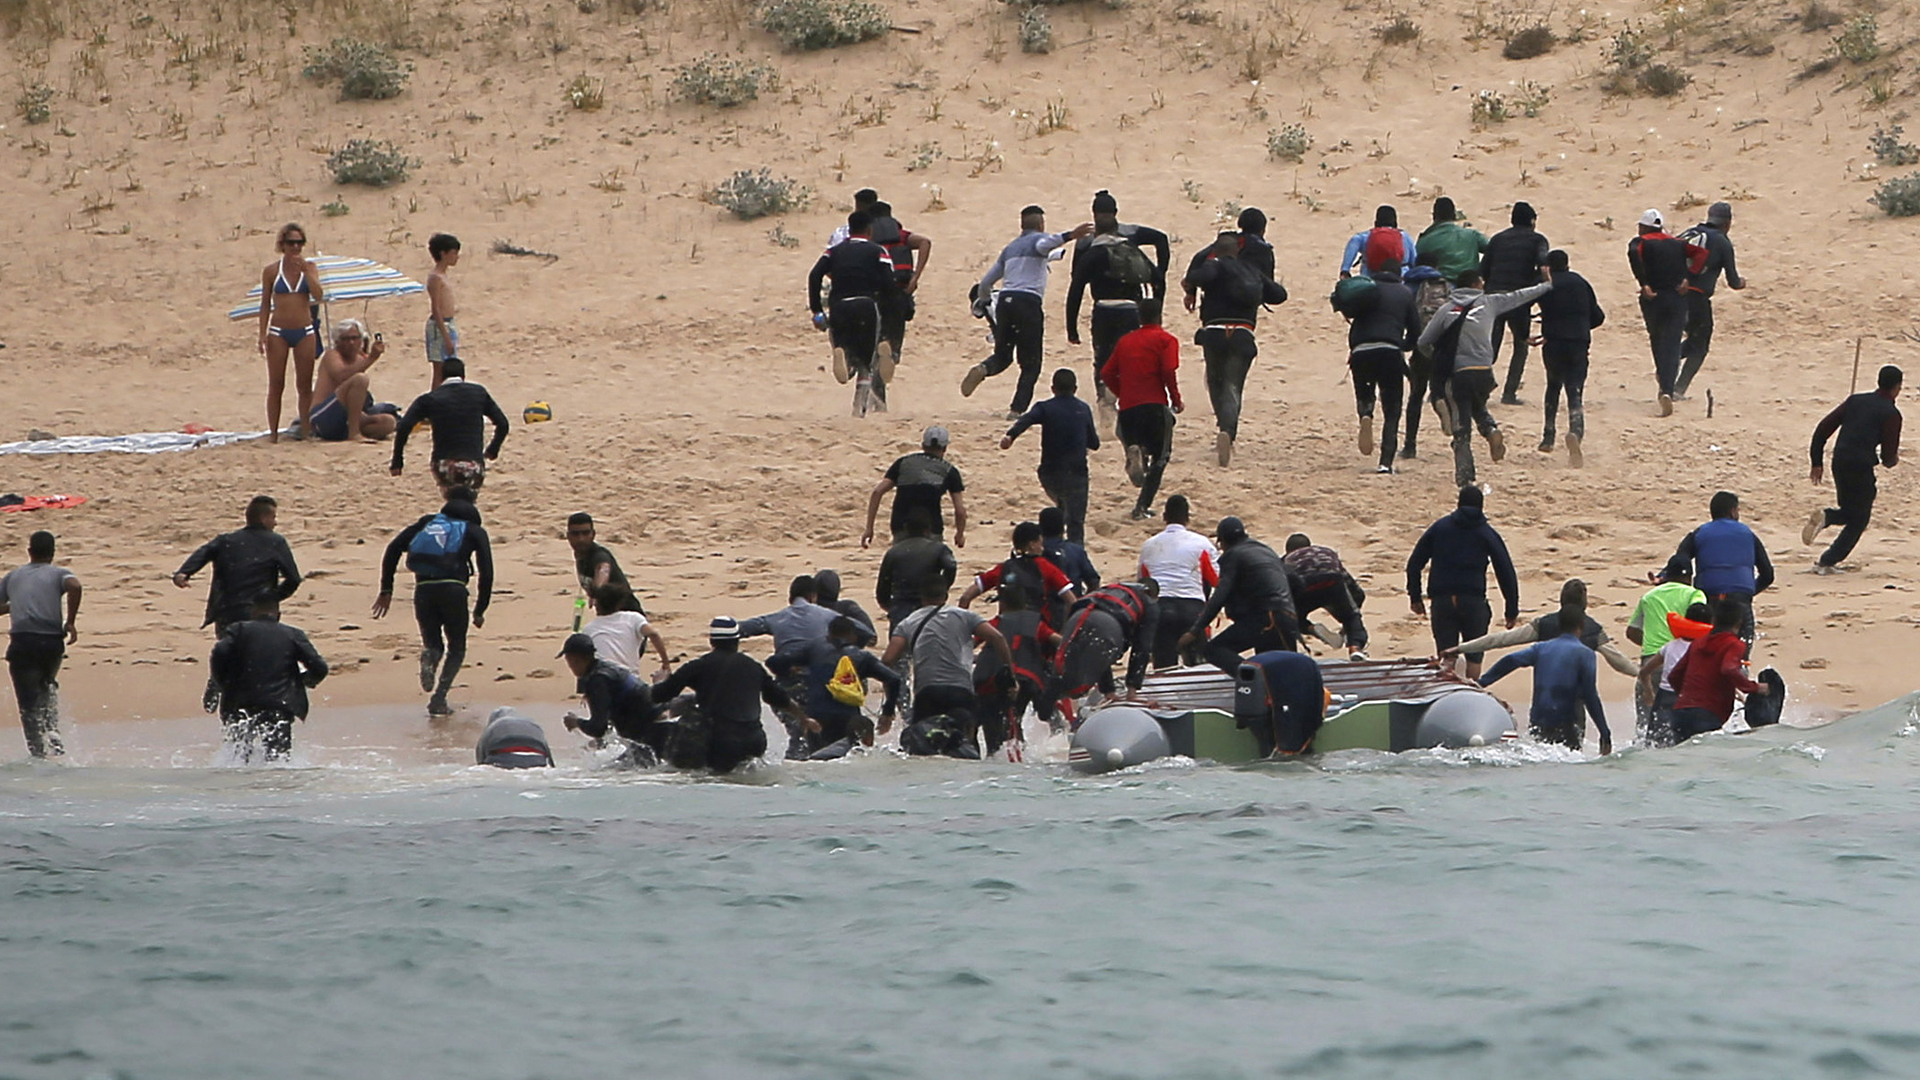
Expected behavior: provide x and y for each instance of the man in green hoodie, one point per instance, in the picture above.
(1458, 246)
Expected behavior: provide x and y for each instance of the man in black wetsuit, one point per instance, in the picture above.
(458, 410)
(1512, 262)
(616, 700)
(1233, 285)
(1712, 235)
(728, 687)
(1568, 317)
(863, 285)
(246, 563)
(916, 562)
(264, 668)
(1122, 280)
(594, 564)
(442, 550)
(1256, 592)
(1869, 427)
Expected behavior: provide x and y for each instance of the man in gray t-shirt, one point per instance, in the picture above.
(940, 641)
(30, 596)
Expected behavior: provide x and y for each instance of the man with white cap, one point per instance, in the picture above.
(1661, 264)
(729, 686)
(918, 481)
(1712, 235)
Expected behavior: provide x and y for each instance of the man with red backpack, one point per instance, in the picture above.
(1385, 245)
(1662, 265)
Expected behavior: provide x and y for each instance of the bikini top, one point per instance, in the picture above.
(280, 281)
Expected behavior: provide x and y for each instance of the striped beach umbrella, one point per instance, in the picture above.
(344, 278)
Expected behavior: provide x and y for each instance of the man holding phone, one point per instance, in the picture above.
(342, 392)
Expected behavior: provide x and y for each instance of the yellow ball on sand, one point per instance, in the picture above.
(537, 413)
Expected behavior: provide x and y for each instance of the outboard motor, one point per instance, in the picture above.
(512, 741)
(1280, 697)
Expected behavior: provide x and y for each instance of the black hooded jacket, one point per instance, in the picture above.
(1393, 320)
(458, 410)
(1460, 546)
(265, 666)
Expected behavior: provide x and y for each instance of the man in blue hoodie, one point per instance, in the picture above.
(1564, 690)
(1460, 546)
(1729, 561)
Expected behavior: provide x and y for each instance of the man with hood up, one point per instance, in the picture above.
(1460, 546)
(442, 550)
(1512, 261)
(1377, 344)
(1469, 377)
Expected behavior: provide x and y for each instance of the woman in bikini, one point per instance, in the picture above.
(290, 298)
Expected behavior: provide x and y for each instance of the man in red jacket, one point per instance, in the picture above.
(1141, 373)
(1709, 674)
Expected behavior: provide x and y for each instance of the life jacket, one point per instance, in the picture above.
(1386, 248)
(1723, 557)
(1022, 631)
(1123, 602)
(1022, 574)
(1686, 629)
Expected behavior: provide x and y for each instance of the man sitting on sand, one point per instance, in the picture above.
(342, 393)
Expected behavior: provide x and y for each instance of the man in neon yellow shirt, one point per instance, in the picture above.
(1672, 593)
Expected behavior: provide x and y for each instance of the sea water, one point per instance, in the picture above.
(1745, 906)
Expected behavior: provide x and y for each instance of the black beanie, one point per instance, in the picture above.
(1523, 214)
(1472, 496)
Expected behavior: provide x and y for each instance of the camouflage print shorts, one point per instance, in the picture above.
(453, 472)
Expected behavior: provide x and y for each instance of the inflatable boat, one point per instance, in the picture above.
(1206, 714)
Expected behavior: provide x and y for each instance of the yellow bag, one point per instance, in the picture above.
(846, 686)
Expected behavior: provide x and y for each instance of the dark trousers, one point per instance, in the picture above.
(1467, 394)
(1066, 485)
(270, 731)
(1699, 338)
(894, 316)
(1381, 372)
(1660, 723)
(957, 703)
(732, 744)
(1854, 488)
(440, 607)
(1567, 735)
(1457, 618)
(1690, 722)
(1419, 384)
(1566, 364)
(1177, 614)
(1333, 596)
(1745, 601)
(1019, 329)
(1520, 322)
(1666, 318)
(1273, 630)
(34, 662)
(1086, 658)
(854, 323)
(1110, 324)
(1002, 706)
(1149, 427)
(1229, 353)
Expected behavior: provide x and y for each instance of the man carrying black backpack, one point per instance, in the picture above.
(1232, 290)
(1122, 277)
(442, 550)
(908, 251)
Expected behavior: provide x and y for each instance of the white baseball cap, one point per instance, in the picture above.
(1653, 219)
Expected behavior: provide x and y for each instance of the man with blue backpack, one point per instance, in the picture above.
(442, 550)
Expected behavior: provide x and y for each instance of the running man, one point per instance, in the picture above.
(443, 338)
(1067, 433)
(1255, 592)
(1456, 248)
(1430, 293)
(1042, 586)
(264, 668)
(343, 392)
(1124, 280)
(1869, 427)
(621, 635)
(863, 286)
(908, 251)
(1118, 620)
(1377, 344)
(1729, 562)
(1461, 546)
(1186, 565)
(1564, 689)
(918, 482)
(1232, 286)
(1019, 319)
(1662, 265)
(458, 411)
(30, 596)
(1656, 674)
(617, 700)
(813, 666)
(1142, 377)
(1386, 246)
(798, 626)
(1470, 377)
(1672, 594)
(1568, 317)
(938, 640)
(1712, 235)
(1512, 261)
(594, 565)
(246, 563)
(442, 551)
(729, 687)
